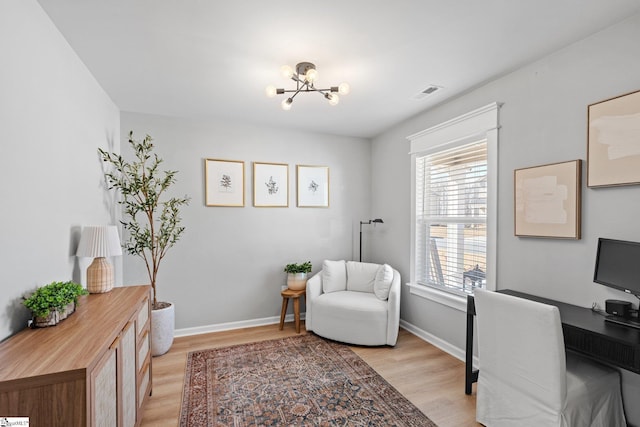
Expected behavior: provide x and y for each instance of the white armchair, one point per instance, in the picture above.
(354, 302)
(525, 378)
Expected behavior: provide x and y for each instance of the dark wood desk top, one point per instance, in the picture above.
(585, 318)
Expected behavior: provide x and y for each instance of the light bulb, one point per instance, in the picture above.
(286, 104)
(311, 75)
(344, 89)
(333, 98)
(270, 91)
(286, 71)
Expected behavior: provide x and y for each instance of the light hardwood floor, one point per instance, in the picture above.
(430, 378)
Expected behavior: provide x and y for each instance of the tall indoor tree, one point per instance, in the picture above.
(151, 219)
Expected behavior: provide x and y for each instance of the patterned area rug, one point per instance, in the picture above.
(297, 381)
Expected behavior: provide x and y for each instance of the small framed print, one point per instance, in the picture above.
(224, 182)
(613, 141)
(270, 185)
(547, 200)
(312, 186)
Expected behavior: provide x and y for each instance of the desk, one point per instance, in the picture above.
(584, 331)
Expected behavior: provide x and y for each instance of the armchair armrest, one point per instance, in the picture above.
(314, 290)
(393, 324)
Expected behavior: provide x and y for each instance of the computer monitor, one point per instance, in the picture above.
(618, 265)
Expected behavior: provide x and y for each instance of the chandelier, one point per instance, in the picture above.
(305, 76)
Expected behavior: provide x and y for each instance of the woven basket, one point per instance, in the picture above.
(67, 310)
(51, 319)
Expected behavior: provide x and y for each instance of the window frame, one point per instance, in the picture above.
(482, 123)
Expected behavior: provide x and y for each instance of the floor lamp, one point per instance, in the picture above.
(374, 221)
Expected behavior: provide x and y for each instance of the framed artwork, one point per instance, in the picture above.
(547, 200)
(270, 184)
(613, 141)
(224, 182)
(313, 186)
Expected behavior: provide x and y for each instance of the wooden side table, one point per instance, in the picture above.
(295, 296)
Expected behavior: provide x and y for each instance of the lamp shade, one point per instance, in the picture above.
(99, 241)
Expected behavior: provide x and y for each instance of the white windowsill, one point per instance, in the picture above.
(457, 302)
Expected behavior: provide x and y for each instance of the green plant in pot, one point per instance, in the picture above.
(152, 221)
(53, 302)
(297, 275)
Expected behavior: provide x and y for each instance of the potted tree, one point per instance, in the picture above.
(152, 223)
(297, 275)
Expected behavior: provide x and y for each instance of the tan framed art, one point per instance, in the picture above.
(224, 182)
(547, 200)
(270, 185)
(613, 141)
(312, 186)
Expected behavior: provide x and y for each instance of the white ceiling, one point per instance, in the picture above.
(206, 58)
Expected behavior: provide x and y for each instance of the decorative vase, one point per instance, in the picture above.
(162, 327)
(296, 281)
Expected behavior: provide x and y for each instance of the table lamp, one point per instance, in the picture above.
(99, 242)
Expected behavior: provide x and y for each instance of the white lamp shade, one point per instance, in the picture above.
(99, 241)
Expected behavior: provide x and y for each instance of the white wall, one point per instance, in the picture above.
(53, 116)
(228, 266)
(543, 121)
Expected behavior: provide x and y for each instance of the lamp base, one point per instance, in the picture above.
(100, 276)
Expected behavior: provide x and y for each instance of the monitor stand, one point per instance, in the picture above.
(631, 322)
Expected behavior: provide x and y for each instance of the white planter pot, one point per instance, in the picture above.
(162, 327)
(296, 281)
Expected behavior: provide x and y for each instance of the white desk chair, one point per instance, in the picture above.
(525, 378)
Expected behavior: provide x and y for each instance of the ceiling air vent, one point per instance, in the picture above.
(426, 92)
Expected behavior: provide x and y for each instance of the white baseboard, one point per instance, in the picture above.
(443, 345)
(184, 332)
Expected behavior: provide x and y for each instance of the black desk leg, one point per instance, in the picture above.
(470, 376)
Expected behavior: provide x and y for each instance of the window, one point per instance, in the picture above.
(454, 169)
(451, 213)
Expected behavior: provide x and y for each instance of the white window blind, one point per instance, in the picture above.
(451, 217)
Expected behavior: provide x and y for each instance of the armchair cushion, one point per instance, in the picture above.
(361, 276)
(382, 283)
(334, 276)
(351, 316)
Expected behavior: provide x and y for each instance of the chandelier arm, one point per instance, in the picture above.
(308, 89)
(295, 94)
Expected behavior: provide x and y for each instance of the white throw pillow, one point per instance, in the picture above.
(361, 275)
(334, 276)
(382, 284)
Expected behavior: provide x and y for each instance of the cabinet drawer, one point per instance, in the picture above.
(144, 384)
(143, 351)
(143, 316)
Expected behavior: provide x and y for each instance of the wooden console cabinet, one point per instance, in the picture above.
(92, 369)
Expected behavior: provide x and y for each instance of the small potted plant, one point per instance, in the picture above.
(70, 292)
(297, 275)
(53, 302)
